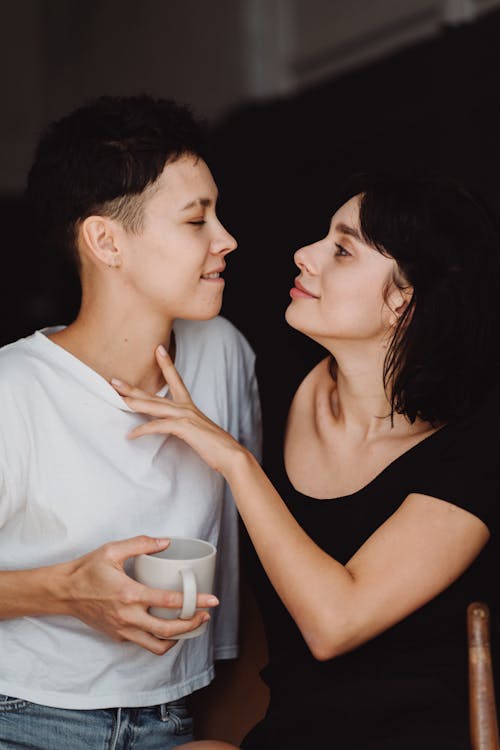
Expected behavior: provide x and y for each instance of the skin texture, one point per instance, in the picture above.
(424, 546)
(134, 285)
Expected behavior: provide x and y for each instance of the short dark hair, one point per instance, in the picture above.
(443, 356)
(101, 158)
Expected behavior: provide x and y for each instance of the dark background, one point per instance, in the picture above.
(279, 164)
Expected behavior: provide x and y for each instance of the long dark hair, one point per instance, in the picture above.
(443, 356)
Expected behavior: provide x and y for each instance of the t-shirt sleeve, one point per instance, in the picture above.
(13, 444)
(4, 495)
(248, 432)
(10, 493)
(464, 472)
(226, 615)
(251, 423)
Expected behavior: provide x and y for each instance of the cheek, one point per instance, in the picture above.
(175, 270)
(351, 299)
(350, 293)
(346, 309)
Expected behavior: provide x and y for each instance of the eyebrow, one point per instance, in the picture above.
(349, 231)
(204, 202)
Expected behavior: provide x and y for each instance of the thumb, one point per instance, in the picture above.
(137, 545)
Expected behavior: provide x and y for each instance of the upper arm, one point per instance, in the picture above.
(435, 534)
(418, 552)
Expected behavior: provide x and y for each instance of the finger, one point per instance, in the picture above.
(126, 389)
(163, 426)
(154, 407)
(163, 628)
(173, 599)
(148, 641)
(178, 390)
(137, 545)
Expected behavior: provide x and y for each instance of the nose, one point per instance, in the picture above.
(306, 259)
(223, 243)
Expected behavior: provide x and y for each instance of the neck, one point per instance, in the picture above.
(359, 400)
(117, 336)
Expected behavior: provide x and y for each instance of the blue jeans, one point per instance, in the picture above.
(29, 726)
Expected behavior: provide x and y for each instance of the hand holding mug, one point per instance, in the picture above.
(186, 566)
(96, 589)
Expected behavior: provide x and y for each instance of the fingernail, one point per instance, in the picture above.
(162, 542)
(115, 381)
(162, 351)
(205, 617)
(212, 601)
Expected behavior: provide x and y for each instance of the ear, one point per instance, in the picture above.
(98, 235)
(397, 302)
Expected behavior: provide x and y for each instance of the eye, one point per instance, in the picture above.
(341, 251)
(197, 223)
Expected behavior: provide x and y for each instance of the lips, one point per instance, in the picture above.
(304, 291)
(214, 274)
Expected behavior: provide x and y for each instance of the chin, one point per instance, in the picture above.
(206, 313)
(293, 319)
(300, 324)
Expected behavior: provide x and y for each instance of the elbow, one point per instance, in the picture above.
(327, 643)
(334, 627)
(323, 651)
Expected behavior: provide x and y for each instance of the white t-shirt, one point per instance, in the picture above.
(70, 481)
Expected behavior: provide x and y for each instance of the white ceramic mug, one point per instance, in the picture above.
(187, 565)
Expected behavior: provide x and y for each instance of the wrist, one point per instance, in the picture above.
(55, 588)
(240, 461)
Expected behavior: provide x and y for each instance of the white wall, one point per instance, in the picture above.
(215, 54)
(318, 39)
(58, 53)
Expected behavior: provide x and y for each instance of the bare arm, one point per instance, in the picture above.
(419, 551)
(412, 557)
(95, 589)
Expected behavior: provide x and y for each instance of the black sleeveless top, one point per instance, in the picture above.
(406, 688)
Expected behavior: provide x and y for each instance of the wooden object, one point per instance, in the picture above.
(482, 705)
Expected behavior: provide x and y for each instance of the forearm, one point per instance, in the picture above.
(318, 591)
(419, 550)
(40, 591)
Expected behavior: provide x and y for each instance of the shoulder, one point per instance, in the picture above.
(16, 352)
(16, 362)
(218, 367)
(18, 392)
(319, 377)
(214, 355)
(29, 375)
(314, 387)
(215, 335)
(462, 466)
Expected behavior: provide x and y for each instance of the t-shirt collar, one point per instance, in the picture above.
(80, 371)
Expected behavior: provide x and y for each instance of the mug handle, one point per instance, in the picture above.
(189, 594)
